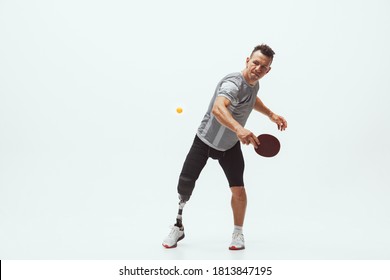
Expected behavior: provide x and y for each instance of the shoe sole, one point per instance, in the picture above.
(174, 245)
(234, 248)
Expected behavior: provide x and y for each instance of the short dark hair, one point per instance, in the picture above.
(264, 49)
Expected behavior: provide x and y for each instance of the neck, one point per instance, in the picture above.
(247, 78)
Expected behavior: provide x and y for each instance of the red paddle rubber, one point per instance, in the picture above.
(269, 145)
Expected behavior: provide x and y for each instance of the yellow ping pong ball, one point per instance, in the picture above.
(179, 110)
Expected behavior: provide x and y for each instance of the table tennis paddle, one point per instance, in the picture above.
(269, 145)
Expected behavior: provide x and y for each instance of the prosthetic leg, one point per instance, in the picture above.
(193, 165)
(179, 218)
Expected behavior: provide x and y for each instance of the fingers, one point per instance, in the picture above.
(250, 139)
(282, 123)
(257, 141)
(247, 137)
(254, 141)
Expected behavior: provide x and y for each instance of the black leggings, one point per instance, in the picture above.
(231, 161)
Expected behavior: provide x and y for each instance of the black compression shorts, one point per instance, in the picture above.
(231, 161)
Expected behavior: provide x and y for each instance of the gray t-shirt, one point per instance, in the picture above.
(242, 97)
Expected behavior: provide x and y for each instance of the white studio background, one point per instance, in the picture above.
(91, 145)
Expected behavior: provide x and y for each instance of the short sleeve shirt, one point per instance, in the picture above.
(242, 97)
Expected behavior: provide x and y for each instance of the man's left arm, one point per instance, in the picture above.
(279, 120)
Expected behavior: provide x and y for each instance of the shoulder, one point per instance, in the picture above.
(235, 78)
(233, 81)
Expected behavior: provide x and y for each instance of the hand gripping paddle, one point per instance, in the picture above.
(269, 145)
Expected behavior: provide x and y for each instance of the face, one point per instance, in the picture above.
(256, 67)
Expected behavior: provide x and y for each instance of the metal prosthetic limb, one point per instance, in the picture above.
(179, 218)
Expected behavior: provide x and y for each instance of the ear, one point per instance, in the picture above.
(247, 60)
(269, 69)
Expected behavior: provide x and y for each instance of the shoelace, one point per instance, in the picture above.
(238, 236)
(174, 231)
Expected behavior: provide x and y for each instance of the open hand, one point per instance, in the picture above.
(280, 121)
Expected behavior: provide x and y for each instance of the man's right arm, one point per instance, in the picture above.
(223, 115)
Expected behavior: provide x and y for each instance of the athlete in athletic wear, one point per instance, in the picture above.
(219, 136)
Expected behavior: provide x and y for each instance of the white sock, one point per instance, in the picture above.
(237, 229)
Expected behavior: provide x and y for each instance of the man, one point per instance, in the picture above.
(219, 136)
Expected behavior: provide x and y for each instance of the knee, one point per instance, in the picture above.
(238, 193)
(183, 198)
(185, 187)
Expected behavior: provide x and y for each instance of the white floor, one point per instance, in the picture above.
(109, 226)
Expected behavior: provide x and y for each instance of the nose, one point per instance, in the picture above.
(261, 69)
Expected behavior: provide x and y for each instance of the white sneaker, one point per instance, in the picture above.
(173, 237)
(238, 242)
